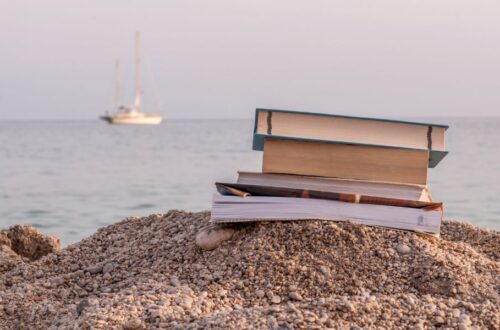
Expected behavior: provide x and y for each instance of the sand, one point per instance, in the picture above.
(150, 273)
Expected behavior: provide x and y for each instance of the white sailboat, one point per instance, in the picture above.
(132, 114)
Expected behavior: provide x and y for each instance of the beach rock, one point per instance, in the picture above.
(276, 299)
(174, 281)
(260, 293)
(4, 239)
(8, 258)
(186, 302)
(324, 270)
(30, 243)
(134, 324)
(96, 269)
(439, 320)
(295, 296)
(108, 268)
(403, 248)
(211, 237)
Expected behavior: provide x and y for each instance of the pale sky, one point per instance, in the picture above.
(223, 58)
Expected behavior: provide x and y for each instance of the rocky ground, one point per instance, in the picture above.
(174, 271)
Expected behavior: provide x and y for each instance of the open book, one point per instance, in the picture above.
(265, 208)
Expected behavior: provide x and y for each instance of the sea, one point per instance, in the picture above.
(69, 178)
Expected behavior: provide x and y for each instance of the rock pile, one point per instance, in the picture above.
(149, 273)
(24, 242)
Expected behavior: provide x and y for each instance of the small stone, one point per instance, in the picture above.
(439, 320)
(211, 237)
(403, 248)
(463, 326)
(295, 296)
(260, 293)
(94, 269)
(175, 281)
(272, 322)
(324, 270)
(410, 301)
(222, 293)
(134, 324)
(58, 281)
(274, 309)
(465, 319)
(81, 306)
(108, 268)
(456, 312)
(186, 303)
(347, 307)
(469, 306)
(276, 299)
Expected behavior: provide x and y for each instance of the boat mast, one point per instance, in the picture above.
(138, 87)
(117, 84)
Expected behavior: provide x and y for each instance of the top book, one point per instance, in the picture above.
(307, 126)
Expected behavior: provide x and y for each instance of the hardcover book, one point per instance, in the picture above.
(345, 161)
(294, 125)
(245, 190)
(412, 192)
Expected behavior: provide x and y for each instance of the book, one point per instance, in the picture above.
(412, 192)
(359, 162)
(294, 125)
(244, 190)
(260, 208)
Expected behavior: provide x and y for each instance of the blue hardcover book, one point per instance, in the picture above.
(339, 129)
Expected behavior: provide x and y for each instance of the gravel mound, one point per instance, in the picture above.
(148, 273)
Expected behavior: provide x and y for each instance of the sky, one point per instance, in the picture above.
(224, 58)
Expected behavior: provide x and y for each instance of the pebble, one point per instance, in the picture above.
(174, 281)
(439, 320)
(465, 319)
(186, 303)
(210, 238)
(108, 268)
(96, 269)
(276, 299)
(295, 296)
(410, 301)
(324, 270)
(260, 293)
(402, 248)
(134, 324)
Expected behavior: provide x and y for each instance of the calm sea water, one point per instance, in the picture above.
(69, 178)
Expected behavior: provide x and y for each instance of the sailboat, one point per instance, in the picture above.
(124, 115)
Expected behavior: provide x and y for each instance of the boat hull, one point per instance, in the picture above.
(146, 120)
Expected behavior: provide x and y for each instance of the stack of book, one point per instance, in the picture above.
(330, 167)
